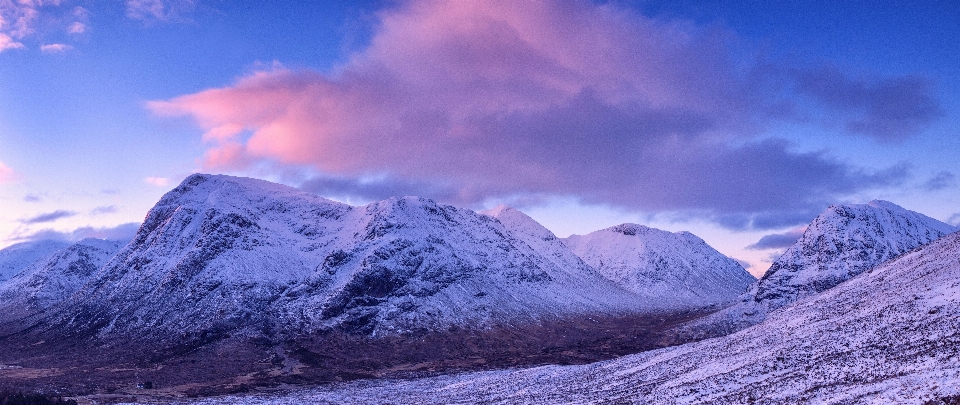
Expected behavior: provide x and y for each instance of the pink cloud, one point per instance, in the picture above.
(157, 181)
(435, 68)
(7, 175)
(6, 42)
(506, 97)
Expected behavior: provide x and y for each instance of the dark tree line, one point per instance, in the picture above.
(19, 398)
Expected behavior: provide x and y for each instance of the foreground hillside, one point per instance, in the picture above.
(889, 335)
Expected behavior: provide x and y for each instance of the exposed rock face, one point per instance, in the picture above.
(678, 268)
(221, 255)
(48, 281)
(842, 242)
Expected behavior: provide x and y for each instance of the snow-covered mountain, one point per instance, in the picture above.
(658, 265)
(544, 242)
(55, 277)
(889, 335)
(222, 253)
(842, 242)
(15, 258)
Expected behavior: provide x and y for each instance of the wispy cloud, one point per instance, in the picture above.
(157, 181)
(159, 10)
(778, 240)
(21, 19)
(31, 198)
(377, 189)
(77, 28)
(7, 43)
(940, 181)
(49, 217)
(123, 232)
(105, 209)
(7, 175)
(565, 98)
(954, 219)
(743, 263)
(55, 48)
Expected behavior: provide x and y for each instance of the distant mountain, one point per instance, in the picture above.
(52, 279)
(544, 242)
(677, 268)
(227, 255)
(842, 242)
(888, 335)
(15, 258)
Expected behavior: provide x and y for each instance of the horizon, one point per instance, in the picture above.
(736, 122)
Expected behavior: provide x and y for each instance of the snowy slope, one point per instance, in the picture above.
(842, 242)
(220, 253)
(890, 335)
(54, 278)
(544, 242)
(15, 258)
(663, 266)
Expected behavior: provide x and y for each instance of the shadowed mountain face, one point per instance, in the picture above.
(677, 268)
(842, 242)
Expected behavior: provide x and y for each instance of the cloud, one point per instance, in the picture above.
(7, 175)
(940, 181)
(159, 10)
(77, 28)
(890, 109)
(123, 232)
(31, 198)
(377, 189)
(106, 209)
(49, 217)
(21, 20)
(778, 240)
(743, 263)
(497, 98)
(55, 48)
(157, 181)
(6, 43)
(954, 220)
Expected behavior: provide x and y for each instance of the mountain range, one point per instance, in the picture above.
(234, 281)
(890, 335)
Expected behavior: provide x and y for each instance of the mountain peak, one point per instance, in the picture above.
(498, 210)
(670, 267)
(886, 204)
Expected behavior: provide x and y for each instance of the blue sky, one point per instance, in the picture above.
(730, 119)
